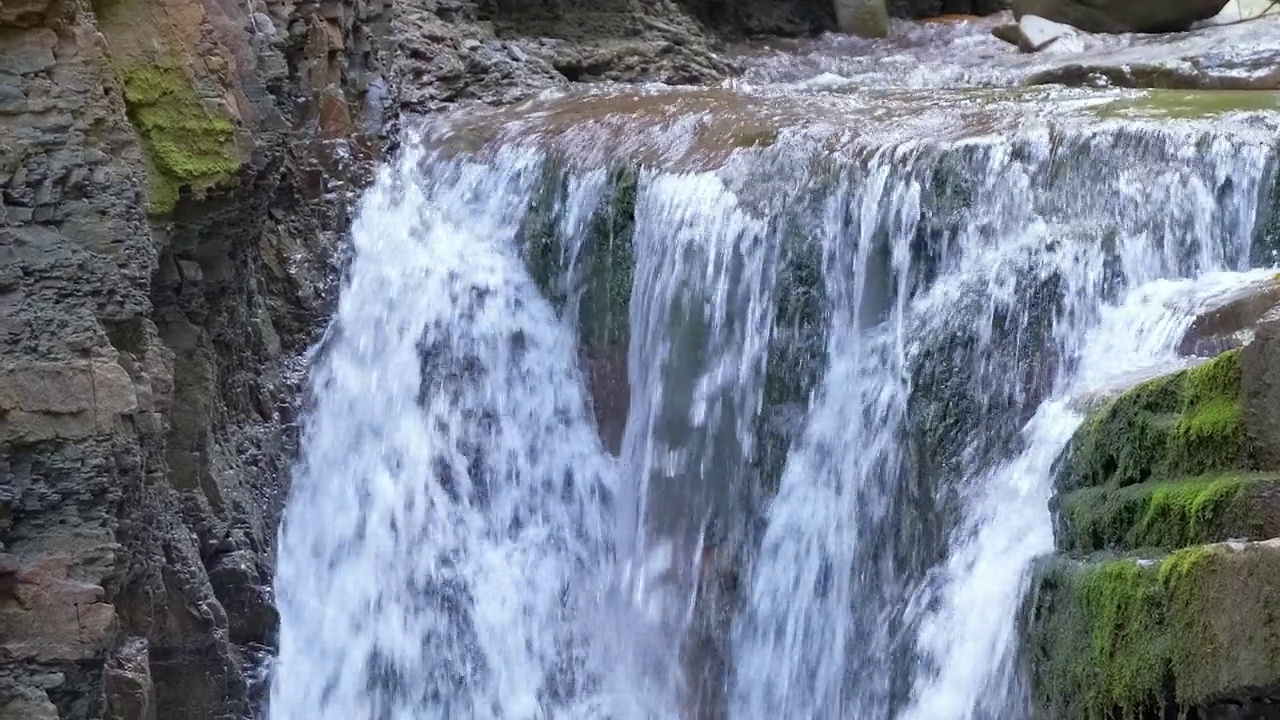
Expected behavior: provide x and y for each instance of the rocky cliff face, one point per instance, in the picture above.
(172, 177)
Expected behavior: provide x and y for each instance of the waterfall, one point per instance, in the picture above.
(769, 436)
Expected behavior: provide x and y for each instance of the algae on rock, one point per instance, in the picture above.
(1166, 514)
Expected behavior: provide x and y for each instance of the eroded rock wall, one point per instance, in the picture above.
(171, 196)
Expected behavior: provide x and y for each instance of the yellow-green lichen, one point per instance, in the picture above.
(186, 144)
(1160, 514)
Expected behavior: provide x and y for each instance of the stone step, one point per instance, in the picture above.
(1169, 514)
(1196, 630)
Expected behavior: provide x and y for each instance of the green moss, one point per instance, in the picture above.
(1119, 638)
(1125, 608)
(186, 144)
(1161, 514)
(1177, 568)
(1195, 652)
(1099, 639)
(1184, 424)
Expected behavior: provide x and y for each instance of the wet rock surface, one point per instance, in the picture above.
(164, 167)
(1121, 16)
(1233, 321)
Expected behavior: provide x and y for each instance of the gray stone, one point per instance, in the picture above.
(240, 588)
(1036, 34)
(32, 54)
(1260, 388)
(127, 683)
(262, 24)
(864, 18)
(1119, 16)
(26, 703)
(12, 99)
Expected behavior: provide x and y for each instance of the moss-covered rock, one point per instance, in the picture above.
(186, 143)
(1130, 638)
(1170, 514)
(1186, 424)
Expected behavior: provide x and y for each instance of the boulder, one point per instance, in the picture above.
(1231, 321)
(864, 18)
(1260, 389)
(1120, 16)
(1008, 32)
(1034, 34)
(1239, 10)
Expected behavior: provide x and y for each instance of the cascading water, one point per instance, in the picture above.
(820, 488)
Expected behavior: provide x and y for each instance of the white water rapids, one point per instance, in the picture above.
(847, 376)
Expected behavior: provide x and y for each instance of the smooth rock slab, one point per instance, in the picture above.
(1231, 322)
(1240, 56)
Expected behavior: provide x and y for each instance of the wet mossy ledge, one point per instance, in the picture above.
(1169, 514)
(1157, 637)
(1186, 424)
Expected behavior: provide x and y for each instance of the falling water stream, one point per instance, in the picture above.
(696, 404)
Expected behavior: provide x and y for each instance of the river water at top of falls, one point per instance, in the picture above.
(733, 403)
